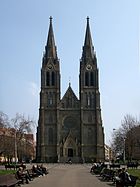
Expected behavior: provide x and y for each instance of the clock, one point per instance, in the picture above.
(88, 67)
(49, 66)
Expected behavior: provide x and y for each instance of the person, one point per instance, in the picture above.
(23, 165)
(37, 170)
(44, 169)
(94, 166)
(23, 174)
(123, 178)
(117, 179)
(69, 161)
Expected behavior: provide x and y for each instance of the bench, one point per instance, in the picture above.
(132, 165)
(8, 180)
(97, 169)
(108, 174)
(10, 166)
(32, 174)
(113, 166)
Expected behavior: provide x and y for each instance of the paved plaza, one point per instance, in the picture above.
(65, 175)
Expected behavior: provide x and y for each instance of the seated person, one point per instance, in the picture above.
(123, 178)
(94, 166)
(23, 166)
(37, 170)
(23, 174)
(44, 169)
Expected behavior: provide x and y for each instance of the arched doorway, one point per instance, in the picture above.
(70, 152)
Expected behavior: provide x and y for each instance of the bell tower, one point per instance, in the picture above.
(49, 99)
(92, 135)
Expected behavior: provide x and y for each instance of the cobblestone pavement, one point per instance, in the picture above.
(65, 175)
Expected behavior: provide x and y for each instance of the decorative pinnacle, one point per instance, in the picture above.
(51, 19)
(87, 19)
(69, 81)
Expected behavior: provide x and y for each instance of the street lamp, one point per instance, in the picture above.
(124, 150)
(114, 153)
(15, 146)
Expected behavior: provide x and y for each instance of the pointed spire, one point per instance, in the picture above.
(88, 39)
(88, 49)
(50, 47)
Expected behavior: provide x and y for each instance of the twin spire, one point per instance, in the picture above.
(50, 49)
(88, 39)
(88, 49)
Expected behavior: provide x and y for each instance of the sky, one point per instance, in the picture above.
(115, 30)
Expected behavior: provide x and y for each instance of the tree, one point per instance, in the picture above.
(13, 135)
(4, 121)
(123, 138)
(5, 142)
(21, 126)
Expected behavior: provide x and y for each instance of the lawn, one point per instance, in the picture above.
(135, 172)
(3, 172)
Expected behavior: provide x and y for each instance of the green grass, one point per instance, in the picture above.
(4, 172)
(135, 172)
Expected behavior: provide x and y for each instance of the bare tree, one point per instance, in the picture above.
(4, 121)
(4, 124)
(123, 138)
(21, 126)
(128, 123)
(13, 135)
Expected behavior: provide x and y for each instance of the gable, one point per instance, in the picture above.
(69, 99)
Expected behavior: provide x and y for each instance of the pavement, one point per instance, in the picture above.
(66, 175)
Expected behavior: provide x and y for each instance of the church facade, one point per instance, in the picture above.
(69, 127)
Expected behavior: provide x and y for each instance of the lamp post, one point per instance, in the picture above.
(15, 146)
(124, 150)
(114, 154)
(23, 152)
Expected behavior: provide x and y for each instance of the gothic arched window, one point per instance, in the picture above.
(53, 78)
(91, 79)
(88, 100)
(50, 99)
(47, 79)
(87, 79)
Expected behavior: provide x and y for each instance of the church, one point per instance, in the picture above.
(70, 127)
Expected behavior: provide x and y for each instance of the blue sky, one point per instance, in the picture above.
(115, 28)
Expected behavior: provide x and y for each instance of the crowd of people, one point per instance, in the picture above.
(28, 174)
(119, 176)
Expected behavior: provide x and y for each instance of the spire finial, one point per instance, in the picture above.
(69, 81)
(87, 19)
(51, 19)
